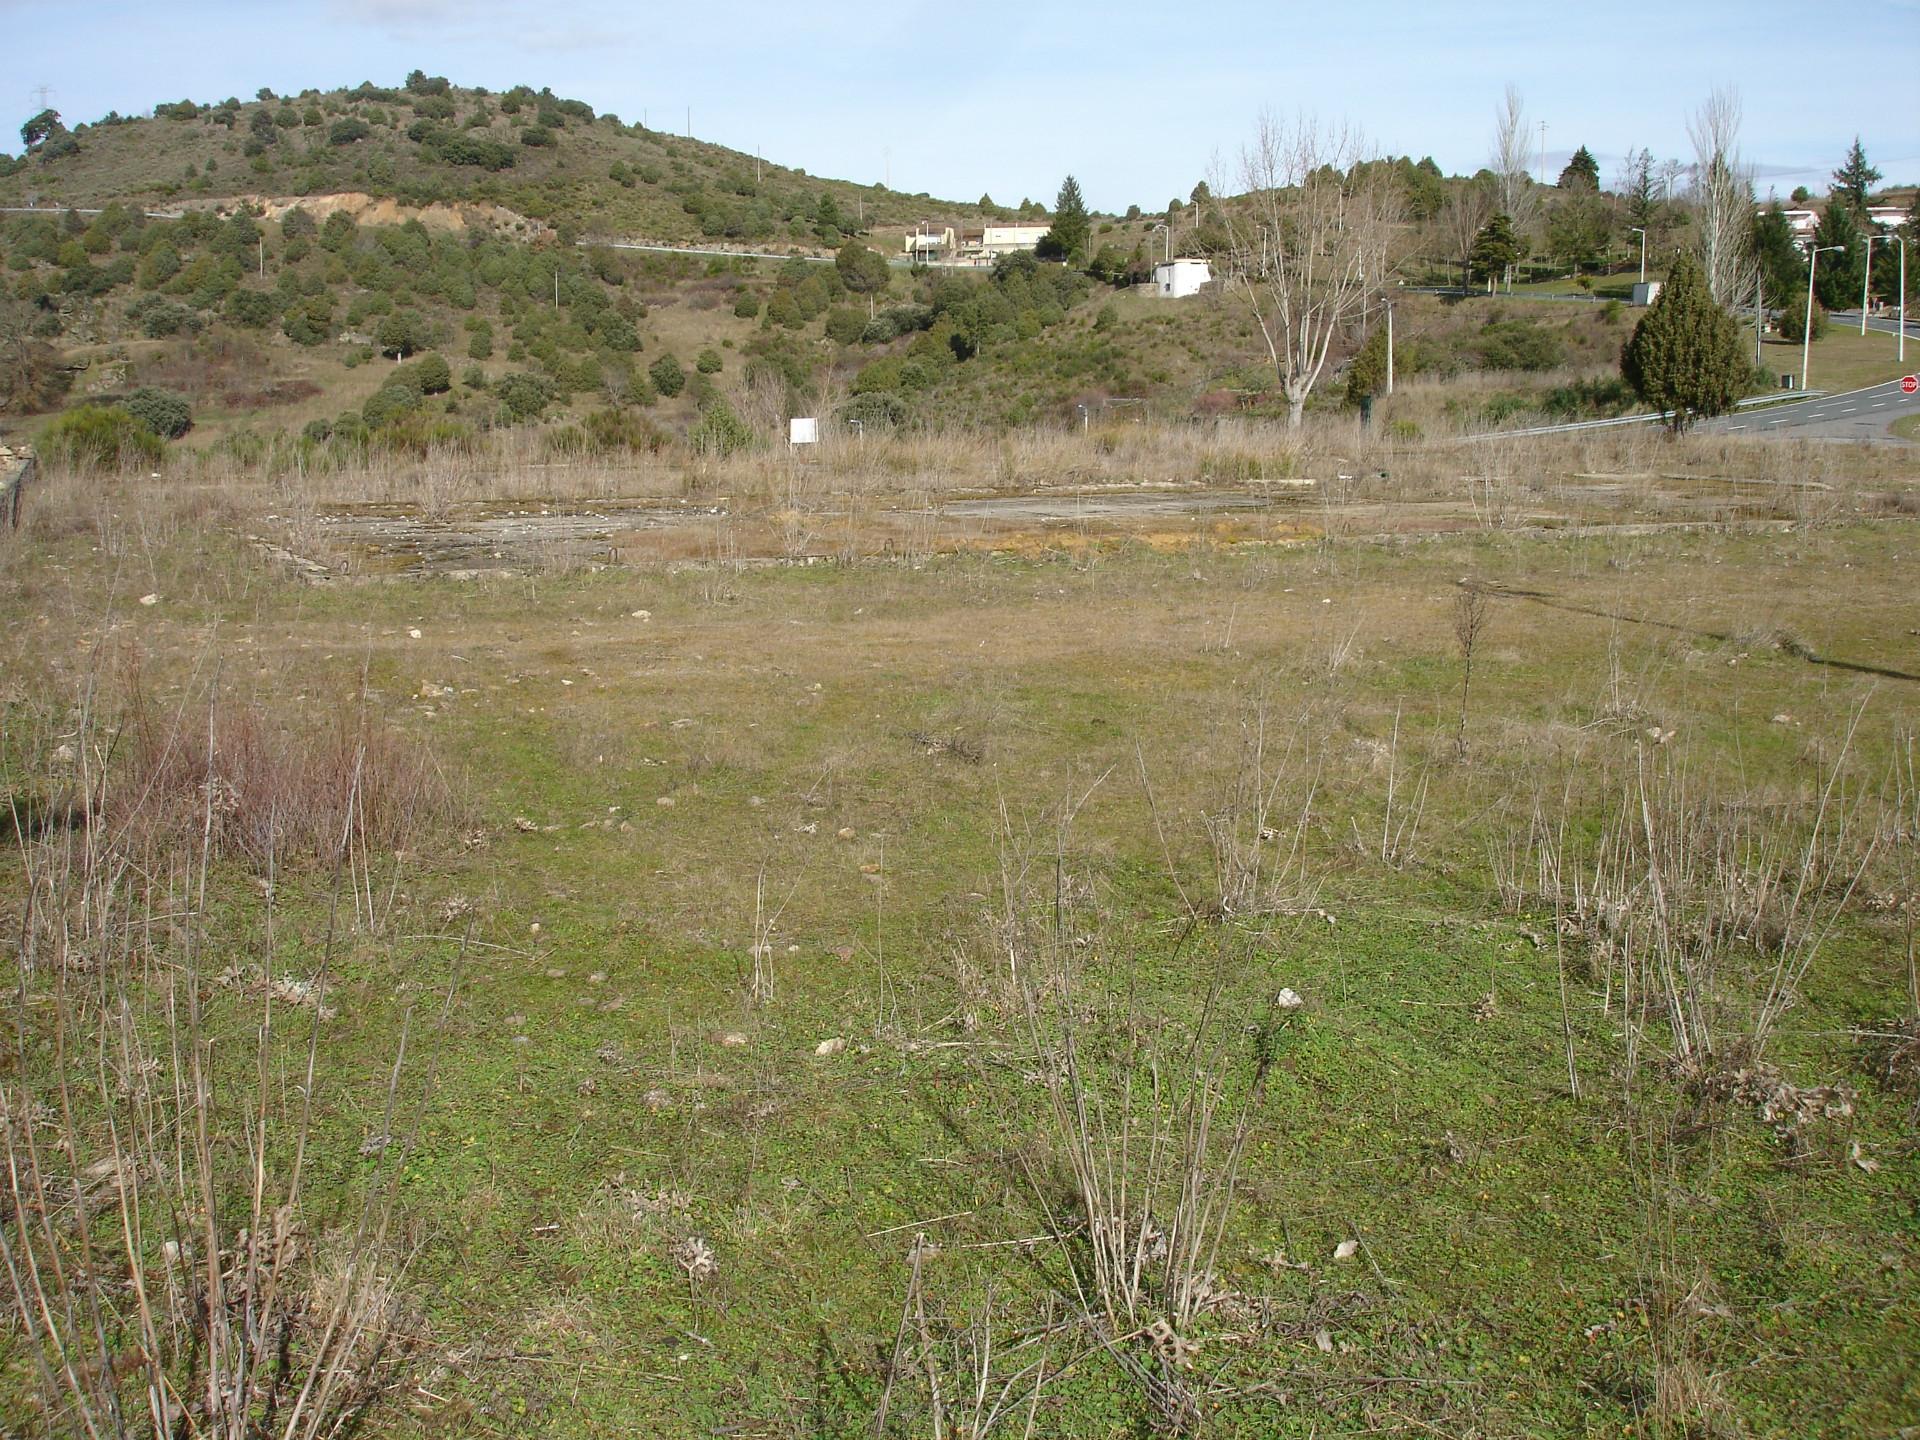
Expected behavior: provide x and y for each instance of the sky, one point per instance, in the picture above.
(1138, 102)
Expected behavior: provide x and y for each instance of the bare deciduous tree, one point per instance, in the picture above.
(1512, 152)
(1469, 619)
(1722, 194)
(1308, 242)
(1468, 208)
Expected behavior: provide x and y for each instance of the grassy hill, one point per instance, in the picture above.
(538, 155)
(271, 264)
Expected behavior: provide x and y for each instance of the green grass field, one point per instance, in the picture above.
(770, 897)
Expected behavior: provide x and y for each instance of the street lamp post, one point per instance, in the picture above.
(1866, 280)
(1162, 225)
(1806, 336)
(1643, 251)
(1902, 355)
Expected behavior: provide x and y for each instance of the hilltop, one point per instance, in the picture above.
(432, 146)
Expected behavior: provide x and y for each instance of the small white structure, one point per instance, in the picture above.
(1177, 279)
(1006, 239)
(1646, 292)
(929, 242)
(803, 430)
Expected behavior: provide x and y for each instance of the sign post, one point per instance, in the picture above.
(1909, 384)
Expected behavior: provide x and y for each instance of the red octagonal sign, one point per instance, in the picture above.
(1909, 384)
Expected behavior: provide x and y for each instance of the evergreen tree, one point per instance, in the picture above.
(1855, 178)
(1367, 372)
(1642, 192)
(1686, 354)
(1494, 249)
(1582, 169)
(1839, 275)
(1068, 237)
(1783, 269)
(41, 128)
(862, 270)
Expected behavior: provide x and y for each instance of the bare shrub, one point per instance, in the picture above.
(163, 1274)
(1706, 910)
(260, 785)
(1256, 831)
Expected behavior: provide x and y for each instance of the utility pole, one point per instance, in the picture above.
(1643, 251)
(1759, 318)
(1543, 152)
(263, 257)
(689, 122)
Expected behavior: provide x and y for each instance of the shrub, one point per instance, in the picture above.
(317, 430)
(720, 432)
(107, 438)
(667, 376)
(432, 374)
(160, 411)
(623, 430)
(536, 136)
(348, 131)
(251, 309)
(168, 317)
(709, 362)
(474, 150)
(1516, 344)
(875, 410)
(388, 403)
(1792, 323)
(747, 307)
(523, 396)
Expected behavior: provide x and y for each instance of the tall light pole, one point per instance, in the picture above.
(1866, 280)
(1806, 336)
(1903, 299)
(1163, 225)
(1643, 251)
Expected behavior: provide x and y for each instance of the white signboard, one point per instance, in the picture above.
(803, 430)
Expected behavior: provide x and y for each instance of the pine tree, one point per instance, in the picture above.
(1068, 237)
(1686, 355)
(1783, 269)
(1582, 169)
(1855, 178)
(1840, 275)
(1494, 249)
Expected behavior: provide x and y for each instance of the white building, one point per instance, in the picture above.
(1177, 279)
(928, 242)
(995, 240)
(1803, 222)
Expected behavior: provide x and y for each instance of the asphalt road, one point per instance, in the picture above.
(1855, 415)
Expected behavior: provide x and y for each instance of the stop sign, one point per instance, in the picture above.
(1909, 384)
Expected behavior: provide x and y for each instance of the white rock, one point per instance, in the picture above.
(830, 1047)
(1346, 1249)
(149, 599)
(1289, 999)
